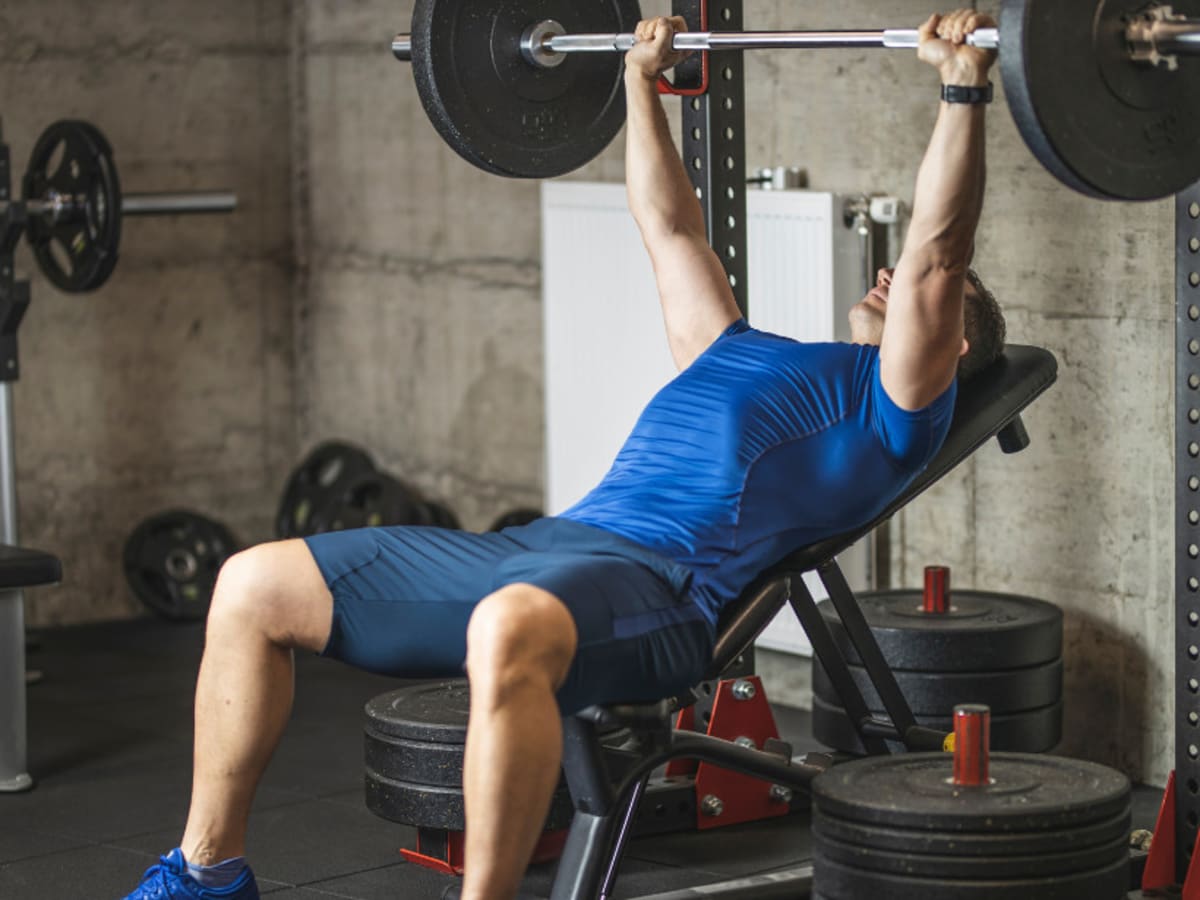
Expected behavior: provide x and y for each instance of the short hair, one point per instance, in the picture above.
(983, 326)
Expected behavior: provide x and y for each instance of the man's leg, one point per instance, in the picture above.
(520, 644)
(268, 600)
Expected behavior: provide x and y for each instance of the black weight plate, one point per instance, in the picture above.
(982, 632)
(1045, 865)
(937, 693)
(441, 515)
(1027, 793)
(371, 500)
(172, 559)
(435, 712)
(79, 251)
(515, 518)
(834, 881)
(430, 806)
(1101, 123)
(960, 843)
(503, 114)
(1029, 731)
(318, 481)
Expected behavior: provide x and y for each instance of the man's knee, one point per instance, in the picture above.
(521, 632)
(274, 589)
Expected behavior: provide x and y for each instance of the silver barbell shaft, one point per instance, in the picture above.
(182, 203)
(892, 38)
(178, 204)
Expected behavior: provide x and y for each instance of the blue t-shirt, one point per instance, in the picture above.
(761, 446)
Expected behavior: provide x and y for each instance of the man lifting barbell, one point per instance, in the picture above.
(759, 446)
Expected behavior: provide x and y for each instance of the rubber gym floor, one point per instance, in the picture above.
(110, 733)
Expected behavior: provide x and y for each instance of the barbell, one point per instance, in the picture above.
(1104, 92)
(71, 205)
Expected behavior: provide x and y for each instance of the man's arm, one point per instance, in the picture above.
(696, 298)
(923, 329)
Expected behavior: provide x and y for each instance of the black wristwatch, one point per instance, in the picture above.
(957, 93)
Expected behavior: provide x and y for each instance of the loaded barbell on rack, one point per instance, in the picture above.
(1104, 92)
(71, 206)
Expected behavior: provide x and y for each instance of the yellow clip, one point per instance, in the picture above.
(948, 743)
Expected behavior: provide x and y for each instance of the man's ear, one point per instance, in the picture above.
(965, 347)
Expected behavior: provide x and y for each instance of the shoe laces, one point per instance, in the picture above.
(154, 883)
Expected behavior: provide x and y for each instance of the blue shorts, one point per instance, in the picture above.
(402, 598)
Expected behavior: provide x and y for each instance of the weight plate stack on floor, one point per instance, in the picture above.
(414, 739)
(320, 480)
(371, 500)
(172, 559)
(1003, 650)
(931, 826)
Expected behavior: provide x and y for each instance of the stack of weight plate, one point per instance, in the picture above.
(414, 743)
(899, 828)
(1001, 650)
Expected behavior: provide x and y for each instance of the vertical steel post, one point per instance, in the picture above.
(714, 142)
(1187, 525)
(14, 298)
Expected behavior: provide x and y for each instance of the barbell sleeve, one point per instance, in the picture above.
(402, 47)
(197, 202)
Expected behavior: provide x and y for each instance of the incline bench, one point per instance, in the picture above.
(988, 405)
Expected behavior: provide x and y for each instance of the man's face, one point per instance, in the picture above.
(867, 315)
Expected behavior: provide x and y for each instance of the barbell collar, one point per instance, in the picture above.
(402, 47)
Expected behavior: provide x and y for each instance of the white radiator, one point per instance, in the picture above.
(606, 351)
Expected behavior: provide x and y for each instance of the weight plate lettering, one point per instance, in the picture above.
(172, 559)
(72, 161)
(1101, 123)
(503, 114)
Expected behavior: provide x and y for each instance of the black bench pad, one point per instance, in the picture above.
(20, 568)
(986, 404)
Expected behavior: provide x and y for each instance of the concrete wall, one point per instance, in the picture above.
(422, 332)
(171, 386)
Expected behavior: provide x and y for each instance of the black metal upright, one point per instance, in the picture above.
(1187, 525)
(714, 141)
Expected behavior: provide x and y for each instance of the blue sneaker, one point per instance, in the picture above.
(169, 880)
